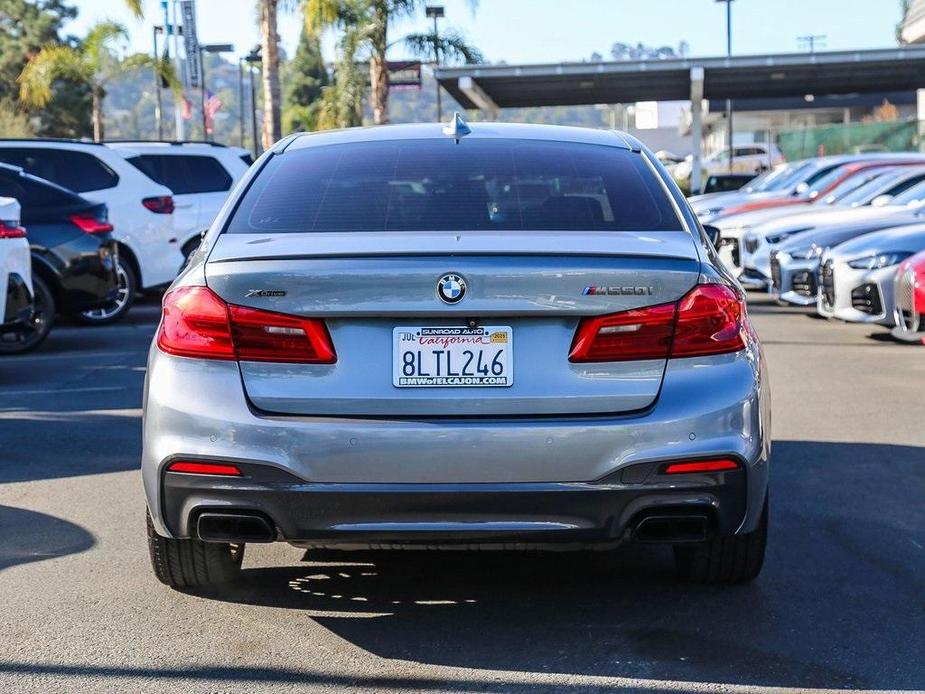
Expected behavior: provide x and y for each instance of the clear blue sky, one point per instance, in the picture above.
(535, 31)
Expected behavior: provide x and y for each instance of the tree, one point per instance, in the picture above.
(269, 46)
(25, 28)
(92, 63)
(306, 78)
(368, 22)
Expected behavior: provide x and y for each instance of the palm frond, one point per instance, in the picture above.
(163, 68)
(134, 6)
(451, 46)
(46, 66)
(99, 38)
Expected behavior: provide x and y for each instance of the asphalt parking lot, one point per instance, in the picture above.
(840, 604)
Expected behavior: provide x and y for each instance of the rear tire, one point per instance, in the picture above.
(115, 310)
(34, 333)
(725, 560)
(190, 564)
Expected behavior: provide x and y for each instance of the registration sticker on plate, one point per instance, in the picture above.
(452, 357)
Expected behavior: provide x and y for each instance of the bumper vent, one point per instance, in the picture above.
(751, 244)
(775, 273)
(866, 299)
(827, 283)
(804, 283)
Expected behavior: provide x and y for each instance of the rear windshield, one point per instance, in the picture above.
(438, 185)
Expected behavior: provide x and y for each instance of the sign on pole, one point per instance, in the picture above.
(191, 43)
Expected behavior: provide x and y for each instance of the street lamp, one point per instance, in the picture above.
(729, 55)
(209, 48)
(435, 12)
(251, 58)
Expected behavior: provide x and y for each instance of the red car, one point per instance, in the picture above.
(910, 300)
(824, 185)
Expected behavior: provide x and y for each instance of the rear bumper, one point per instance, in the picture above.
(502, 515)
(338, 472)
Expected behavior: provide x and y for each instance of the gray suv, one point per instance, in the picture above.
(496, 336)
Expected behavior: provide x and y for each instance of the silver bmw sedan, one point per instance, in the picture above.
(487, 335)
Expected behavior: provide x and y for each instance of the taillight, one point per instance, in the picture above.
(199, 468)
(709, 319)
(161, 204)
(11, 229)
(89, 224)
(197, 323)
(722, 465)
(638, 334)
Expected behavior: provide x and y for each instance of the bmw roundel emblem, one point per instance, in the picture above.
(451, 288)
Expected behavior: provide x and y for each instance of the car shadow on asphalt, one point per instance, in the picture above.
(838, 604)
(30, 536)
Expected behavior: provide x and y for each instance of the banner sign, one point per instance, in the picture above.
(190, 42)
(404, 74)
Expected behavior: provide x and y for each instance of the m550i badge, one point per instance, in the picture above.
(264, 293)
(618, 291)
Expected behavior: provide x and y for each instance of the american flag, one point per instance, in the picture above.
(211, 107)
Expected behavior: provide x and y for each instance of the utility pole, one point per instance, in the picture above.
(158, 116)
(729, 101)
(436, 12)
(810, 40)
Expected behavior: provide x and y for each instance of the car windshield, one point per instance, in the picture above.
(914, 196)
(779, 179)
(438, 185)
(844, 193)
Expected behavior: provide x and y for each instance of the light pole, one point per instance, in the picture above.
(158, 116)
(203, 49)
(729, 55)
(435, 12)
(251, 58)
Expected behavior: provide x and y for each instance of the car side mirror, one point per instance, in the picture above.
(713, 233)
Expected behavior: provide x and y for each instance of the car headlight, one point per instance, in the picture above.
(813, 251)
(775, 239)
(875, 262)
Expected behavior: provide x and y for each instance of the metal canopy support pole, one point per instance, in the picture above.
(696, 127)
(477, 96)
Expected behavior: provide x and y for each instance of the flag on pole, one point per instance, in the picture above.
(186, 109)
(212, 106)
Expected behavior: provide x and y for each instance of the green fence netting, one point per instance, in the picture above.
(893, 136)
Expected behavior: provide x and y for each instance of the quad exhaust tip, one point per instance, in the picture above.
(234, 527)
(672, 528)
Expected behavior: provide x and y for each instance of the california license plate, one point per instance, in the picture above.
(452, 357)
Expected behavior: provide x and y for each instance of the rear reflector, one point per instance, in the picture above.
(10, 229)
(700, 466)
(162, 204)
(205, 468)
(198, 323)
(709, 319)
(89, 224)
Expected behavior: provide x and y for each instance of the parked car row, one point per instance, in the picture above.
(100, 222)
(838, 233)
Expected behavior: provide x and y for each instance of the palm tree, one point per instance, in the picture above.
(92, 63)
(369, 21)
(269, 46)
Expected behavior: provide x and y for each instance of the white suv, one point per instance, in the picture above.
(746, 159)
(140, 209)
(15, 279)
(200, 174)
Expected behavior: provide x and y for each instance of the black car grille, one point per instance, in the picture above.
(775, 272)
(804, 283)
(827, 282)
(866, 299)
(736, 253)
(751, 244)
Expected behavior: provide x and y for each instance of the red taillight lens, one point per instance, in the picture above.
(710, 319)
(10, 229)
(196, 468)
(700, 466)
(162, 204)
(89, 224)
(638, 334)
(197, 323)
